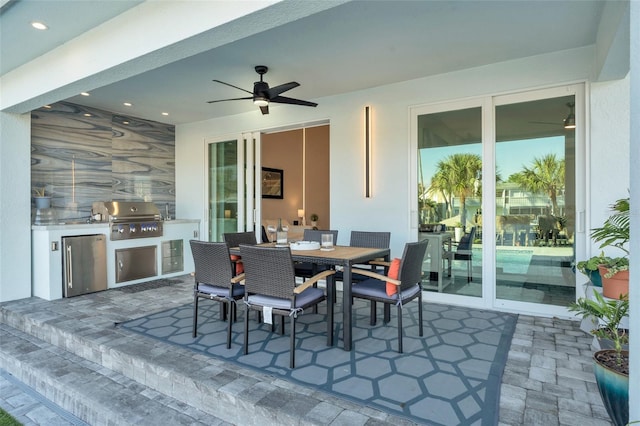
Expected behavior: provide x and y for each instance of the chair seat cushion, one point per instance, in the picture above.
(308, 297)
(377, 289)
(237, 292)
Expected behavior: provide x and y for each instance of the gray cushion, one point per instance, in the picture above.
(238, 290)
(378, 289)
(306, 298)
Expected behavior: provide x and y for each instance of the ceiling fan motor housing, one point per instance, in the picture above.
(261, 90)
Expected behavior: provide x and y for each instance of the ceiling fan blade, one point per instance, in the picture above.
(275, 91)
(264, 110)
(232, 99)
(292, 101)
(231, 85)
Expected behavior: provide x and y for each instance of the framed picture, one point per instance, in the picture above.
(272, 183)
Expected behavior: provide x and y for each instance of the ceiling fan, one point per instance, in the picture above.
(262, 95)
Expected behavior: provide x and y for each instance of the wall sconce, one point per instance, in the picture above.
(367, 151)
(227, 214)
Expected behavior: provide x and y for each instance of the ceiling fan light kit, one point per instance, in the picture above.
(262, 95)
(570, 121)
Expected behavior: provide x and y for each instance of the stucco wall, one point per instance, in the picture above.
(389, 208)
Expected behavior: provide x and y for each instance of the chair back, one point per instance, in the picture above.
(466, 241)
(234, 239)
(212, 263)
(268, 271)
(316, 235)
(411, 264)
(370, 239)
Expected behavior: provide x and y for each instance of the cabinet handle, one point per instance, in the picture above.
(69, 268)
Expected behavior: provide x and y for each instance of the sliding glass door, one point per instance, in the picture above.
(450, 199)
(535, 201)
(498, 184)
(230, 191)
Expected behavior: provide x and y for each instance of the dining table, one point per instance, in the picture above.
(342, 256)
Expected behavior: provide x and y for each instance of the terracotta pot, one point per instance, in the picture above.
(616, 286)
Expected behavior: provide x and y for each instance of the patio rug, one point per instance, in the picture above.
(450, 376)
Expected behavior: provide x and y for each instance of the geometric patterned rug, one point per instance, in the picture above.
(450, 376)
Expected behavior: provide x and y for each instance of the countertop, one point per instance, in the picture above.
(84, 225)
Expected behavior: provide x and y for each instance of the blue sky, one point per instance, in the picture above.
(511, 156)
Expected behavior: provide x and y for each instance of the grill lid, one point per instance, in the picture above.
(122, 211)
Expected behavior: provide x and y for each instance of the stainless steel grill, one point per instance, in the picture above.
(129, 219)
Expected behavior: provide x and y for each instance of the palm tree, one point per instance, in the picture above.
(426, 206)
(546, 175)
(457, 175)
(440, 185)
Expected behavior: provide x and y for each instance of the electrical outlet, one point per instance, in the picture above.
(54, 246)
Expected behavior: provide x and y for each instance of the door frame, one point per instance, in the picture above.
(247, 161)
(488, 103)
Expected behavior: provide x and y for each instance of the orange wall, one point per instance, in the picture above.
(284, 150)
(317, 175)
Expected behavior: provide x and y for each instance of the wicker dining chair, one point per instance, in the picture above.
(270, 284)
(463, 251)
(368, 239)
(408, 285)
(215, 279)
(234, 239)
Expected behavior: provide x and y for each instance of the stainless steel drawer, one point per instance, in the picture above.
(135, 263)
(172, 256)
(172, 248)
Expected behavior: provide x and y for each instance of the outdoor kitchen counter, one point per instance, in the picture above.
(102, 226)
(46, 246)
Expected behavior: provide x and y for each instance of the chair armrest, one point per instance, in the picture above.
(376, 276)
(380, 262)
(237, 278)
(311, 281)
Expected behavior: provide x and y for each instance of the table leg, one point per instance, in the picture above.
(346, 306)
(440, 267)
(331, 291)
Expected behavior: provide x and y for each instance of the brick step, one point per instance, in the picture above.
(84, 326)
(94, 394)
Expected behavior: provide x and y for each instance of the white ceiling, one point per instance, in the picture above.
(353, 46)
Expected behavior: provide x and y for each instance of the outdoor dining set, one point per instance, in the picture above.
(283, 281)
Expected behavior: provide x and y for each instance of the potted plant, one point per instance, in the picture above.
(457, 231)
(611, 366)
(314, 220)
(615, 233)
(41, 199)
(590, 268)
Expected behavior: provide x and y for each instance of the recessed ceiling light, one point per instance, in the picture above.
(85, 94)
(165, 113)
(39, 25)
(128, 104)
(125, 122)
(86, 114)
(47, 106)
